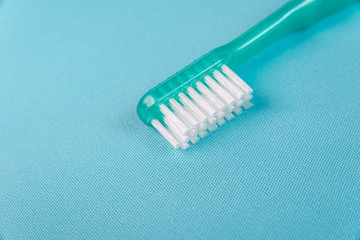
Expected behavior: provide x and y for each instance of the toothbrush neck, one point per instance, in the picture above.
(294, 15)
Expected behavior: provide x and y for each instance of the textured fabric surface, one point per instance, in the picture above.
(76, 163)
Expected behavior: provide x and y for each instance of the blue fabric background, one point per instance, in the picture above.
(76, 162)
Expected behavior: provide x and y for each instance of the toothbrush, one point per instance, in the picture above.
(207, 93)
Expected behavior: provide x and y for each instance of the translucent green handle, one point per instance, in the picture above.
(293, 16)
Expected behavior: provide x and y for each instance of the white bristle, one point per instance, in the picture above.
(223, 110)
(175, 131)
(237, 110)
(220, 121)
(210, 110)
(194, 140)
(221, 92)
(203, 133)
(211, 96)
(234, 77)
(234, 90)
(213, 127)
(229, 116)
(173, 118)
(247, 104)
(163, 131)
(207, 106)
(194, 124)
(197, 113)
(185, 146)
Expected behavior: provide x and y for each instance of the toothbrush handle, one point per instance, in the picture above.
(293, 16)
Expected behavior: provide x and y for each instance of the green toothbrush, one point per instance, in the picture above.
(207, 93)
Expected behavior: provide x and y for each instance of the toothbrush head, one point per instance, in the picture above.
(195, 101)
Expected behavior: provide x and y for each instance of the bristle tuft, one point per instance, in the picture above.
(210, 103)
